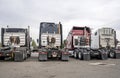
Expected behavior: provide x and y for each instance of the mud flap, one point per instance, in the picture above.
(104, 56)
(86, 56)
(18, 56)
(2, 58)
(65, 57)
(117, 55)
(42, 57)
(28, 54)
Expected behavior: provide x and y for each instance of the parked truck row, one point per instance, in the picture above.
(81, 43)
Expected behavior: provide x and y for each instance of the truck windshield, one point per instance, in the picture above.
(107, 31)
(82, 41)
(14, 30)
(76, 41)
(82, 28)
(49, 28)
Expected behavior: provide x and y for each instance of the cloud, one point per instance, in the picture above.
(94, 13)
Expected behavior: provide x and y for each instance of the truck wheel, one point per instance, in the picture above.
(23, 56)
(28, 55)
(79, 55)
(112, 54)
(75, 54)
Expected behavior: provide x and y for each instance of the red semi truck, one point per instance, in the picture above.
(78, 42)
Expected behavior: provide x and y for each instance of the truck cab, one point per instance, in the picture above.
(50, 41)
(103, 42)
(15, 43)
(78, 40)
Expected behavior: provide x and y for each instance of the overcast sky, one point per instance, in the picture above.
(92, 13)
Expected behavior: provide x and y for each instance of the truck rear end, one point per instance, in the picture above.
(15, 43)
(103, 42)
(78, 41)
(117, 51)
(50, 42)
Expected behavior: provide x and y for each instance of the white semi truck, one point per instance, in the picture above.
(15, 43)
(103, 43)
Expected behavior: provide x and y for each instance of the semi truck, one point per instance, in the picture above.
(83, 44)
(116, 52)
(78, 42)
(103, 42)
(15, 43)
(50, 42)
(105, 38)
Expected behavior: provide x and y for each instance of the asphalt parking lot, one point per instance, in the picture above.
(32, 68)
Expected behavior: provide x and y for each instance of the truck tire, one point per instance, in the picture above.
(23, 55)
(75, 54)
(28, 55)
(112, 54)
(79, 55)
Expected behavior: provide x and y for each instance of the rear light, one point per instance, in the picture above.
(65, 52)
(42, 52)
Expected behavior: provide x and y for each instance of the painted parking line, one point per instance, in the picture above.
(100, 63)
